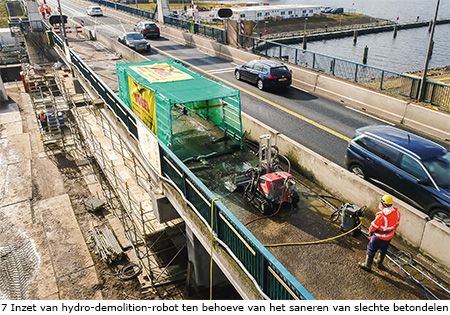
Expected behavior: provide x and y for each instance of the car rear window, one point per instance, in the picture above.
(279, 71)
(151, 26)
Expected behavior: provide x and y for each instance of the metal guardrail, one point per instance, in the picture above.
(126, 8)
(205, 30)
(272, 277)
(437, 93)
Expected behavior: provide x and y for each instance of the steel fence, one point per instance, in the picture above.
(406, 85)
(205, 30)
(272, 278)
(126, 8)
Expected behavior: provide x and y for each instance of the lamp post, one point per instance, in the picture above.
(63, 24)
(427, 60)
(304, 35)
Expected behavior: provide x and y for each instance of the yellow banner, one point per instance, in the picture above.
(143, 104)
(161, 73)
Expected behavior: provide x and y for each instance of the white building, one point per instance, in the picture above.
(264, 12)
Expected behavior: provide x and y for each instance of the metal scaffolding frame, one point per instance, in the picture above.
(152, 242)
(156, 246)
(49, 95)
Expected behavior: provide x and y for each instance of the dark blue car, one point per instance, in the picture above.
(264, 73)
(415, 169)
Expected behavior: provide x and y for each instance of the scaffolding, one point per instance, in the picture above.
(49, 97)
(127, 188)
(79, 127)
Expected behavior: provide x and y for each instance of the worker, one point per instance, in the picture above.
(43, 120)
(42, 10)
(381, 232)
(48, 11)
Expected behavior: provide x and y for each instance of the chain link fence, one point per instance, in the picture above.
(406, 85)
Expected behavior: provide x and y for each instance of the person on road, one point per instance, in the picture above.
(42, 10)
(43, 120)
(381, 232)
(48, 11)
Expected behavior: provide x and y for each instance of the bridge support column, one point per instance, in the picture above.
(162, 9)
(200, 259)
(163, 209)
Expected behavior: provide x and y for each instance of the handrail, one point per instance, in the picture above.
(271, 276)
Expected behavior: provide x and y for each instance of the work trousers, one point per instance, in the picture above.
(377, 244)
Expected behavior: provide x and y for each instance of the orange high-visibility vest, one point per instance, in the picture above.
(383, 226)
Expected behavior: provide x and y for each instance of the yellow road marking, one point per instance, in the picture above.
(260, 97)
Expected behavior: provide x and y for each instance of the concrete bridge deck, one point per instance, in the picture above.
(317, 267)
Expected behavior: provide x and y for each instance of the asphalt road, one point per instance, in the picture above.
(322, 125)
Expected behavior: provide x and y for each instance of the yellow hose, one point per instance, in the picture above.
(212, 244)
(315, 242)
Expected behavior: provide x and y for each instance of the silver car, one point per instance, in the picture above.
(94, 11)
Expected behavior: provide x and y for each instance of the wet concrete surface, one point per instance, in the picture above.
(327, 270)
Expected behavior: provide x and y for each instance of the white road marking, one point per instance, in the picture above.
(369, 115)
(216, 71)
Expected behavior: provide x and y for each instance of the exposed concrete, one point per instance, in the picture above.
(17, 185)
(347, 186)
(29, 176)
(57, 217)
(372, 199)
(164, 211)
(436, 236)
(201, 258)
(421, 118)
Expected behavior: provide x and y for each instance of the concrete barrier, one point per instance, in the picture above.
(392, 109)
(422, 118)
(435, 236)
(365, 100)
(348, 187)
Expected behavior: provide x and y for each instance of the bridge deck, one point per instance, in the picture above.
(328, 270)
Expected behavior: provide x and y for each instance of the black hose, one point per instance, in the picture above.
(129, 271)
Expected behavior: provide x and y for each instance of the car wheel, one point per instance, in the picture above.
(441, 215)
(237, 75)
(357, 170)
(260, 84)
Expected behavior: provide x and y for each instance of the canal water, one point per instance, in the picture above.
(407, 52)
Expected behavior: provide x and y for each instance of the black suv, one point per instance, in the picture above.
(147, 29)
(417, 170)
(135, 41)
(264, 73)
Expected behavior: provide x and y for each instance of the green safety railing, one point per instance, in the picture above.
(436, 93)
(270, 275)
